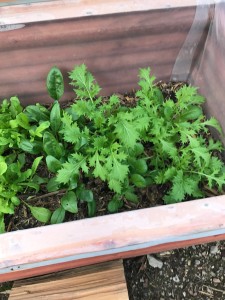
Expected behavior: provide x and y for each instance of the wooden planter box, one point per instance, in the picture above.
(113, 39)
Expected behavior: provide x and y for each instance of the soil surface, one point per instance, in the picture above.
(195, 272)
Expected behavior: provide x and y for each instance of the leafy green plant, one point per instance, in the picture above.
(157, 141)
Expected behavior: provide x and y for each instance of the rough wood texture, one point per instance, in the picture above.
(113, 47)
(64, 9)
(104, 281)
(59, 247)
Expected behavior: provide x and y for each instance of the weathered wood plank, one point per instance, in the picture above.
(52, 248)
(61, 9)
(105, 281)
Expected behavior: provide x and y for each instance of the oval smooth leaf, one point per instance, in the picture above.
(53, 163)
(3, 167)
(40, 213)
(69, 202)
(92, 209)
(86, 195)
(52, 146)
(138, 180)
(55, 117)
(55, 83)
(140, 166)
(58, 215)
(52, 185)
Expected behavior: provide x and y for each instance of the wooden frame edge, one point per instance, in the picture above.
(66, 9)
(57, 247)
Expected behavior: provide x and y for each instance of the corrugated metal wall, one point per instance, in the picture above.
(113, 47)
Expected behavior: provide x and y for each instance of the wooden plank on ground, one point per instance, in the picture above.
(105, 281)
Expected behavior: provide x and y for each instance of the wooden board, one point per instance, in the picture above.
(104, 281)
(47, 249)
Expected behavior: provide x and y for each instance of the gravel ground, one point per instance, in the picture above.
(196, 272)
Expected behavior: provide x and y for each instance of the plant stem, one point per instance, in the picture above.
(47, 195)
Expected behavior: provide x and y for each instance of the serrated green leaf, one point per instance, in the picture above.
(126, 133)
(55, 83)
(169, 148)
(69, 202)
(58, 215)
(115, 185)
(85, 85)
(213, 123)
(40, 213)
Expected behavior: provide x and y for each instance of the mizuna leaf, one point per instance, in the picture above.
(55, 83)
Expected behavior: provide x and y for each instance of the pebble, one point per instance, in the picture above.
(216, 280)
(197, 262)
(214, 249)
(153, 262)
(176, 279)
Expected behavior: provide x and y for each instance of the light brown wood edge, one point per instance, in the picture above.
(46, 249)
(66, 9)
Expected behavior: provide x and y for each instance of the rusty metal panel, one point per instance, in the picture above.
(113, 47)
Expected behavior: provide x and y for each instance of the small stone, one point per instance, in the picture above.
(155, 263)
(184, 294)
(197, 262)
(141, 280)
(176, 279)
(214, 249)
(189, 262)
(212, 274)
(216, 280)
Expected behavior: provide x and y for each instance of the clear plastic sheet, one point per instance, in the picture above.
(201, 60)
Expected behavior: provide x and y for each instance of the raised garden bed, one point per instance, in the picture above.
(132, 37)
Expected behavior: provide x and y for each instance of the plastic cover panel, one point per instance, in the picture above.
(201, 60)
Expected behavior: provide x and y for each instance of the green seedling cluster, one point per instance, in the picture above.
(157, 141)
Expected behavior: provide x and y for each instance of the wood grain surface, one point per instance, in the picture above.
(52, 248)
(105, 281)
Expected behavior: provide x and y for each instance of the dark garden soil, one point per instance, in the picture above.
(195, 272)
(191, 273)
